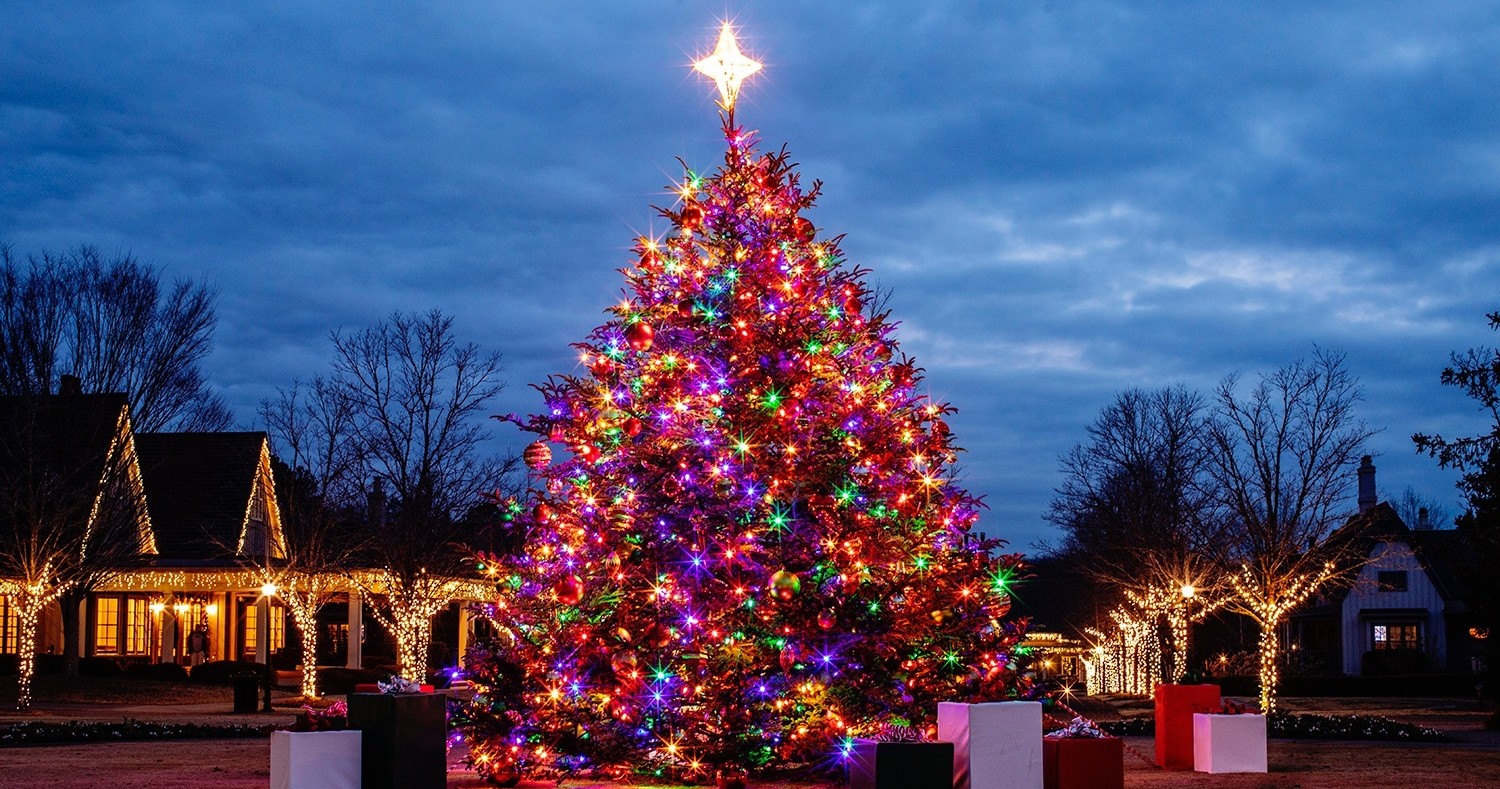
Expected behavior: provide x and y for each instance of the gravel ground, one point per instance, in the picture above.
(1472, 761)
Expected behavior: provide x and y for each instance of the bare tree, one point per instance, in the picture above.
(1412, 507)
(417, 399)
(71, 513)
(1134, 514)
(113, 324)
(311, 430)
(1280, 471)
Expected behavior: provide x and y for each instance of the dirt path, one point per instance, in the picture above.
(244, 764)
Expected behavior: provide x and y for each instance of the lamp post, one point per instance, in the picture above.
(267, 591)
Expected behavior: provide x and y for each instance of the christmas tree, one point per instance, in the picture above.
(755, 549)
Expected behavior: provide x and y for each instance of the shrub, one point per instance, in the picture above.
(219, 672)
(10, 665)
(100, 667)
(50, 664)
(164, 671)
(1393, 661)
(334, 680)
(43, 732)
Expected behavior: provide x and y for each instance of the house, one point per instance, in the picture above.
(212, 504)
(1402, 612)
(67, 462)
(203, 524)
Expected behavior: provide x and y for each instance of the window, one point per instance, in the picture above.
(135, 625)
(1397, 636)
(1391, 580)
(252, 629)
(107, 626)
(10, 627)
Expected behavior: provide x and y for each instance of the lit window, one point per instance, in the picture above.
(10, 625)
(135, 625)
(107, 626)
(1392, 636)
(251, 613)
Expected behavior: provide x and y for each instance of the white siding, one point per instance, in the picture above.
(1420, 593)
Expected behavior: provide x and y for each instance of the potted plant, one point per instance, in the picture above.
(1081, 756)
(318, 752)
(405, 736)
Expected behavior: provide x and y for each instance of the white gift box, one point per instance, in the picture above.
(995, 746)
(1229, 743)
(315, 759)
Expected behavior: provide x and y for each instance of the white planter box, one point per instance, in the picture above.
(315, 759)
(1229, 743)
(995, 746)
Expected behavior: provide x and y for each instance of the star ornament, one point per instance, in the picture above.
(727, 66)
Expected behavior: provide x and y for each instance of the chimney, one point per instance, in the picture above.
(377, 502)
(1366, 484)
(1423, 523)
(69, 385)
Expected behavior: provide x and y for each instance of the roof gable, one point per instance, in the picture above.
(202, 488)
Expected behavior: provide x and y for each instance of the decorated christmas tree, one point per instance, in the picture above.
(751, 548)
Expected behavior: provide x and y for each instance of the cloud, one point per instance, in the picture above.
(1065, 199)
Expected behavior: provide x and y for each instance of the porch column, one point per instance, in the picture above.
(169, 636)
(356, 650)
(263, 630)
(85, 646)
(465, 624)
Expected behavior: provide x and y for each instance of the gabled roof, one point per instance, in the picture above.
(1439, 551)
(68, 435)
(200, 488)
(70, 443)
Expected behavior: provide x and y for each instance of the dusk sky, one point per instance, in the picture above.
(1066, 199)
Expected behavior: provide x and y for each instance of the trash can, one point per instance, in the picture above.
(246, 692)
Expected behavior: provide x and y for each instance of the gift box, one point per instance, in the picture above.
(1229, 743)
(901, 765)
(996, 745)
(315, 760)
(405, 739)
(1175, 707)
(1083, 763)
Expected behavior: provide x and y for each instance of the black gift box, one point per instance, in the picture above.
(901, 765)
(405, 739)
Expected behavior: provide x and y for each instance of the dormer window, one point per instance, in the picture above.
(1390, 581)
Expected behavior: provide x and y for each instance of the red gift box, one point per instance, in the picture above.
(1083, 763)
(1175, 706)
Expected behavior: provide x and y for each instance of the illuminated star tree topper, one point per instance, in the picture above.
(727, 66)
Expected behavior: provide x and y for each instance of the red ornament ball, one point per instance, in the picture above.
(542, 513)
(658, 635)
(537, 455)
(827, 619)
(569, 590)
(633, 427)
(692, 216)
(639, 336)
(588, 453)
(804, 229)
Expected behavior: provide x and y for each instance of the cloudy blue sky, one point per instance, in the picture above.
(1066, 198)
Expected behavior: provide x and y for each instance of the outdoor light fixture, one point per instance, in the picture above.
(157, 608)
(180, 608)
(1188, 591)
(268, 589)
(212, 609)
